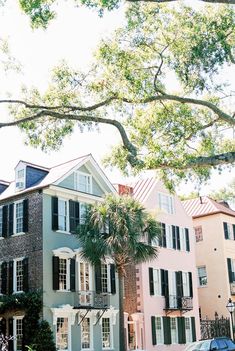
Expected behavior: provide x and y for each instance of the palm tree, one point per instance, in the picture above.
(119, 228)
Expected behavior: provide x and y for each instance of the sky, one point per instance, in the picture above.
(72, 36)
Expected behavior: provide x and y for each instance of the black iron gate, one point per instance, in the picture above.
(211, 328)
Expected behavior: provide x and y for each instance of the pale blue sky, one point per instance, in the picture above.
(72, 36)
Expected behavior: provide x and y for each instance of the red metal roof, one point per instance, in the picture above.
(205, 206)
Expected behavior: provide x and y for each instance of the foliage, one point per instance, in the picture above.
(37, 334)
(118, 228)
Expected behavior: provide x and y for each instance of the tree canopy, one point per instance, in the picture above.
(159, 81)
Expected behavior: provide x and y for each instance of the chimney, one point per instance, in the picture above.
(124, 189)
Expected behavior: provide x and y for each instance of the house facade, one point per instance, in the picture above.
(39, 252)
(161, 304)
(214, 226)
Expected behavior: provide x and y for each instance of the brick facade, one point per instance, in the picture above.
(28, 244)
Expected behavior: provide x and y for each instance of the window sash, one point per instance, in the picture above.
(86, 334)
(188, 330)
(156, 282)
(106, 333)
(18, 217)
(186, 289)
(63, 218)
(83, 182)
(202, 276)
(165, 203)
(159, 330)
(62, 335)
(174, 333)
(63, 274)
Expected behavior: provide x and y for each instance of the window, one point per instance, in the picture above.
(62, 333)
(18, 270)
(83, 182)
(169, 243)
(63, 218)
(165, 203)
(63, 274)
(159, 330)
(85, 283)
(173, 325)
(229, 231)
(18, 332)
(18, 216)
(202, 276)
(20, 179)
(188, 330)
(1, 221)
(198, 233)
(182, 239)
(83, 209)
(186, 289)
(106, 334)
(156, 282)
(104, 278)
(172, 289)
(86, 334)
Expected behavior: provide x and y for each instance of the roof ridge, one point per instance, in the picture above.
(76, 158)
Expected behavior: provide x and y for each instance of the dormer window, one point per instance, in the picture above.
(83, 182)
(20, 179)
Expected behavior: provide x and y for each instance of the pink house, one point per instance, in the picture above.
(161, 304)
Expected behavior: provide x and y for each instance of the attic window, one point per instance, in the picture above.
(20, 179)
(83, 182)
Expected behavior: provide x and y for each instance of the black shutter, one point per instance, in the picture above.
(181, 330)
(25, 274)
(10, 277)
(187, 239)
(167, 330)
(25, 216)
(74, 214)
(55, 272)
(4, 221)
(190, 284)
(194, 338)
(163, 284)
(225, 230)
(72, 274)
(153, 326)
(178, 238)
(4, 277)
(179, 288)
(160, 239)
(98, 284)
(113, 278)
(230, 272)
(174, 236)
(234, 231)
(151, 284)
(54, 213)
(163, 234)
(11, 219)
(3, 326)
(10, 333)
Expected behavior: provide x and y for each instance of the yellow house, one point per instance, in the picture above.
(214, 226)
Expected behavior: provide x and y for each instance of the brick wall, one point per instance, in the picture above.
(130, 290)
(28, 244)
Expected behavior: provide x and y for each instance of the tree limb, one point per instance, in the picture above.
(228, 2)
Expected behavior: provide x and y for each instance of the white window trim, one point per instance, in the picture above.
(21, 179)
(187, 287)
(91, 348)
(90, 274)
(172, 207)
(76, 182)
(14, 275)
(176, 342)
(157, 288)
(198, 280)
(66, 215)
(14, 218)
(15, 318)
(65, 311)
(65, 253)
(162, 331)
(190, 330)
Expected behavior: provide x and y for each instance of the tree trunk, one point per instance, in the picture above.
(122, 336)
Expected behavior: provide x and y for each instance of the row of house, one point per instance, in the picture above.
(192, 277)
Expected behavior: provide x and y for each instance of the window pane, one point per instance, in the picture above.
(62, 274)
(19, 334)
(198, 233)
(104, 277)
(106, 333)
(62, 214)
(173, 331)
(84, 183)
(202, 277)
(19, 275)
(165, 203)
(19, 217)
(62, 333)
(85, 333)
(159, 330)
